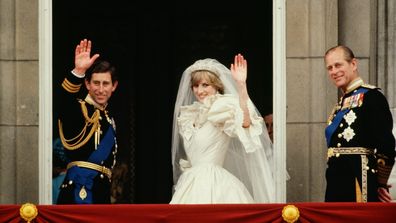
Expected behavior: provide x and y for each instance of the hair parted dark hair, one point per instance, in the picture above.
(102, 66)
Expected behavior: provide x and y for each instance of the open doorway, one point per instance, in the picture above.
(151, 45)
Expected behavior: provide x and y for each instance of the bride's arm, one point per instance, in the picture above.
(239, 74)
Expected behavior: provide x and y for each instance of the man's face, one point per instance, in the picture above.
(340, 71)
(270, 126)
(100, 87)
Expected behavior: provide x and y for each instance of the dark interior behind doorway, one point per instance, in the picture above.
(151, 44)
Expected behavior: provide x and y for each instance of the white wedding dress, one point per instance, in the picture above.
(206, 130)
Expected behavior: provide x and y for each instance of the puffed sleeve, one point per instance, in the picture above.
(227, 114)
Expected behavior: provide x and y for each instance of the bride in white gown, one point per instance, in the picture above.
(221, 152)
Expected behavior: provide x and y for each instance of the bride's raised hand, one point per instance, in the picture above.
(239, 69)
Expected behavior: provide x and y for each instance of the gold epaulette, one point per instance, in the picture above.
(70, 87)
(369, 86)
(83, 137)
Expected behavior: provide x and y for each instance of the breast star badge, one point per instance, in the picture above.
(348, 134)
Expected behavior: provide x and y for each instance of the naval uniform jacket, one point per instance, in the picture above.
(72, 123)
(366, 123)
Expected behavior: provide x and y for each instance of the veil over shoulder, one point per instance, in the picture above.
(253, 168)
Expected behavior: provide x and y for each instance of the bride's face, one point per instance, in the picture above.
(203, 89)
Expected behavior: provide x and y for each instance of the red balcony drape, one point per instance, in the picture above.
(230, 213)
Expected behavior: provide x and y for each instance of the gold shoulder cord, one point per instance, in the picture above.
(81, 138)
(331, 116)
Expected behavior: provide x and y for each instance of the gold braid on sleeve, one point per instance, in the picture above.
(82, 138)
(384, 167)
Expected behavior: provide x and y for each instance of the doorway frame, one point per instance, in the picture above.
(45, 99)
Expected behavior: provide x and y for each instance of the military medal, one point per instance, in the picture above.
(357, 100)
(83, 193)
(353, 101)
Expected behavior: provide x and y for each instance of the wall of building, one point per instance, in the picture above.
(386, 66)
(18, 101)
(312, 27)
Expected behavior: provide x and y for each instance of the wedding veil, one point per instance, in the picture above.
(254, 169)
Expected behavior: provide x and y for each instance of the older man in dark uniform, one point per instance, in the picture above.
(87, 130)
(361, 146)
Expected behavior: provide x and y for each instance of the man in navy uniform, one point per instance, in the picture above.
(87, 130)
(361, 146)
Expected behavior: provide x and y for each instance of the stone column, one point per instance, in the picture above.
(387, 62)
(387, 50)
(311, 29)
(7, 103)
(18, 101)
(358, 31)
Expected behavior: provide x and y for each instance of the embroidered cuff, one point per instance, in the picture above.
(384, 171)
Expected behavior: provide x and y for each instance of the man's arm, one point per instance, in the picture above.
(72, 89)
(382, 124)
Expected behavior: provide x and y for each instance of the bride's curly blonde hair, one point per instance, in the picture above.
(212, 79)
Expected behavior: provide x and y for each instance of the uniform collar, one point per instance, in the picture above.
(90, 101)
(354, 85)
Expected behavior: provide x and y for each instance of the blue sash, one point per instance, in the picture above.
(330, 129)
(83, 177)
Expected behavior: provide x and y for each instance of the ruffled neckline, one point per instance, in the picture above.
(207, 102)
(224, 112)
(197, 112)
(195, 115)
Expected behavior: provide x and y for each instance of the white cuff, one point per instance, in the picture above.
(78, 75)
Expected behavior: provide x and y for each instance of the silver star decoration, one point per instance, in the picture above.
(350, 117)
(348, 134)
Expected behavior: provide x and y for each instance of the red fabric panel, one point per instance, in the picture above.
(9, 213)
(230, 213)
(160, 213)
(347, 212)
